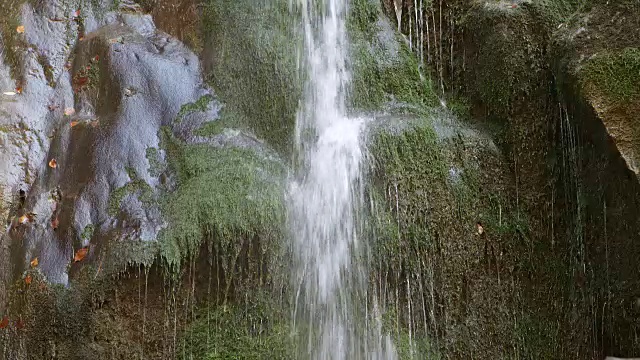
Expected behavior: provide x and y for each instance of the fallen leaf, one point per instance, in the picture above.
(20, 29)
(9, 93)
(19, 89)
(55, 223)
(34, 262)
(74, 123)
(96, 58)
(69, 111)
(5, 322)
(81, 38)
(53, 163)
(480, 229)
(28, 279)
(80, 254)
(30, 216)
(23, 219)
(81, 81)
(76, 13)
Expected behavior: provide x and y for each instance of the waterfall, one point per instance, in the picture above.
(325, 200)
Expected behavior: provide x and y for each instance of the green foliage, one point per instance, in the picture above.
(199, 106)
(87, 232)
(411, 170)
(254, 66)
(223, 193)
(227, 119)
(408, 347)
(379, 74)
(156, 165)
(363, 16)
(13, 42)
(135, 186)
(255, 330)
(616, 74)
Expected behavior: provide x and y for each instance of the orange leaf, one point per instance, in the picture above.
(80, 254)
(53, 163)
(5, 322)
(20, 29)
(28, 280)
(55, 223)
(34, 262)
(23, 219)
(19, 89)
(74, 123)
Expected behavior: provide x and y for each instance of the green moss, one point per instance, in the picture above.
(227, 119)
(87, 232)
(223, 194)
(380, 75)
(199, 106)
(135, 186)
(254, 67)
(363, 16)
(13, 42)
(408, 347)
(616, 74)
(156, 165)
(411, 171)
(255, 330)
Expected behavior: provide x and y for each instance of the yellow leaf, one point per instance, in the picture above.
(34, 262)
(53, 163)
(20, 29)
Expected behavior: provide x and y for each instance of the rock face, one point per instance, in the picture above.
(558, 83)
(115, 156)
(125, 81)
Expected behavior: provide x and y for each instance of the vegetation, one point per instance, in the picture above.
(382, 72)
(256, 329)
(223, 194)
(254, 66)
(616, 75)
(199, 106)
(135, 186)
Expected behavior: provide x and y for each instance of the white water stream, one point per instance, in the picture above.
(332, 309)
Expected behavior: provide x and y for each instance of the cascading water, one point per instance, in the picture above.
(331, 308)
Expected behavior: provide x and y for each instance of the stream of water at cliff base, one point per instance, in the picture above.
(333, 312)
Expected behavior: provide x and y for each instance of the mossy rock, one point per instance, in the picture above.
(256, 329)
(250, 59)
(222, 193)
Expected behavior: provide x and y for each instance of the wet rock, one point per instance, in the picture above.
(126, 81)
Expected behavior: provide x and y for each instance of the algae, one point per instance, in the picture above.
(136, 186)
(199, 106)
(255, 329)
(223, 193)
(616, 74)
